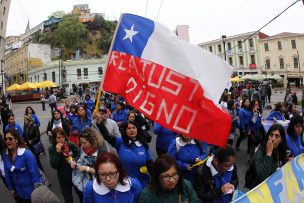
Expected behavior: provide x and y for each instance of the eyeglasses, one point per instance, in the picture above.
(8, 139)
(104, 176)
(174, 176)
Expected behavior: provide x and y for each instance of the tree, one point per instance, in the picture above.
(72, 33)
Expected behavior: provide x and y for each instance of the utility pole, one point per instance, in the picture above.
(2, 73)
(224, 43)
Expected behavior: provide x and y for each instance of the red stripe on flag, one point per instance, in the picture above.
(173, 100)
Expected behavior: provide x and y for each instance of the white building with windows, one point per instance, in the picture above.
(70, 74)
(283, 54)
(242, 51)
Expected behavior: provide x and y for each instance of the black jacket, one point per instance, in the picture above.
(204, 184)
(64, 126)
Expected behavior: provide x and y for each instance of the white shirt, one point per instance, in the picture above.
(112, 127)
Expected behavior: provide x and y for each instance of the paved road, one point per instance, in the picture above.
(45, 116)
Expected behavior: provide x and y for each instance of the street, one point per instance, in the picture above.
(44, 116)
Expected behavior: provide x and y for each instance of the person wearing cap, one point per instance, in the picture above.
(109, 123)
(120, 114)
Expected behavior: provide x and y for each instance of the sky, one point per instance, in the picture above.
(207, 19)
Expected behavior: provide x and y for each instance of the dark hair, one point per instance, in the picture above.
(294, 121)
(230, 104)
(161, 165)
(139, 135)
(29, 107)
(252, 103)
(92, 136)
(58, 130)
(243, 102)
(87, 96)
(223, 153)
(107, 157)
(290, 107)
(84, 106)
(197, 142)
(61, 116)
(15, 134)
(2, 144)
(282, 146)
(131, 112)
(278, 106)
(73, 106)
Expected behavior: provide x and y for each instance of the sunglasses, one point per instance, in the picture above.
(8, 139)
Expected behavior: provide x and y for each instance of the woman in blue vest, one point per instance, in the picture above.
(277, 113)
(293, 137)
(21, 170)
(111, 183)
(82, 120)
(132, 150)
(12, 124)
(120, 114)
(164, 138)
(30, 112)
(89, 102)
(187, 152)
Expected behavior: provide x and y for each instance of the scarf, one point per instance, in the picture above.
(89, 151)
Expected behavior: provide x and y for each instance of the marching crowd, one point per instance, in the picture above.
(105, 155)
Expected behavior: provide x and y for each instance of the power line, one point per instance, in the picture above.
(161, 3)
(243, 41)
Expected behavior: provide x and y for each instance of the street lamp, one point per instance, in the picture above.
(224, 43)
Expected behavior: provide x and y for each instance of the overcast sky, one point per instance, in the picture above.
(207, 19)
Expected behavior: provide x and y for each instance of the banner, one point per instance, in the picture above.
(169, 80)
(285, 185)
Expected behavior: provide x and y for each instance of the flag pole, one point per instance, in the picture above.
(105, 71)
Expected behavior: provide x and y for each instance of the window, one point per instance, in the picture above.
(252, 58)
(250, 43)
(210, 48)
(78, 72)
(293, 44)
(100, 71)
(44, 76)
(279, 45)
(240, 44)
(266, 47)
(219, 47)
(229, 45)
(241, 60)
(38, 78)
(3, 10)
(85, 72)
(281, 63)
(53, 76)
(267, 63)
(230, 60)
(295, 62)
(35, 78)
(1, 27)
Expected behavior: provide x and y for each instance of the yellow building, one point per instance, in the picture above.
(24, 59)
(283, 54)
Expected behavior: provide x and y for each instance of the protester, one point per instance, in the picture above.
(291, 112)
(164, 138)
(13, 124)
(82, 120)
(187, 152)
(71, 116)
(269, 92)
(167, 184)
(293, 136)
(61, 153)
(120, 114)
(2, 150)
(52, 101)
(67, 106)
(133, 151)
(57, 121)
(21, 170)
(245, 116)
(91, 146)
(216, 180)
(109, 123)
(89, 102)
(272, 153)
(5, 112)
(234, 119)
(111, 178)
(277, 113)
(31, 136)
(30, 112)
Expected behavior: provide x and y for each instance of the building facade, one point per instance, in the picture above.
(29, 56)
(283, 54)
(242, 51)
(70, 74)
(4, 10)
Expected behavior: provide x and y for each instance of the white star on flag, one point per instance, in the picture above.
(130, 33)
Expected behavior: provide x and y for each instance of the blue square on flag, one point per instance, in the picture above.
(133, 34)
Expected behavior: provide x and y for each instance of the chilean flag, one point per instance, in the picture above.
(171, 81)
